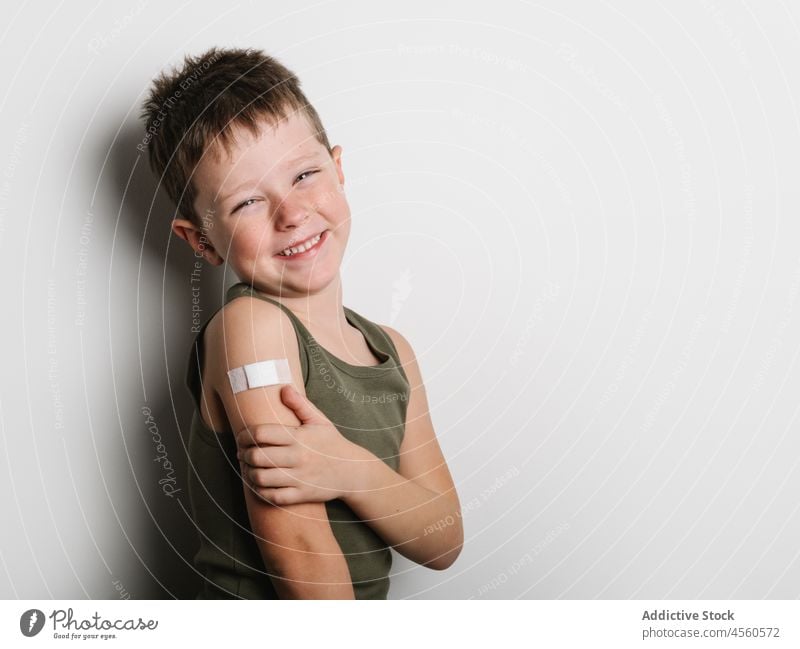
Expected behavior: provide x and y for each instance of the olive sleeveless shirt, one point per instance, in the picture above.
(367, 404)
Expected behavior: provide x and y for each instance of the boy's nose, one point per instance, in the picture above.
(290, 214)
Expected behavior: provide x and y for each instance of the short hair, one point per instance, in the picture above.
(191, 109)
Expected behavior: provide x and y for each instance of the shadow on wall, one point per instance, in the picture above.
(160, 566)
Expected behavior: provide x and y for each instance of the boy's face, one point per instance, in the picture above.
(274, 191)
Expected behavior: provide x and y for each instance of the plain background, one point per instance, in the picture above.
(582, 215)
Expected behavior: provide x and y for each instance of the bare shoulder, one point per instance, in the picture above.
(246, 325)
(403, 346)
(248, 330)
(408, 360)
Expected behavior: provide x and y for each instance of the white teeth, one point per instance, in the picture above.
(302, 247)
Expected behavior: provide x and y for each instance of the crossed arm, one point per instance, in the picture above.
(415, 509)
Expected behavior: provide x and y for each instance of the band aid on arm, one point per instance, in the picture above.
(259, 375)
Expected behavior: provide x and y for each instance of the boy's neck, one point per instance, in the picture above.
(319, 310)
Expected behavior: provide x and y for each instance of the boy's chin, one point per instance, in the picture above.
(291, 288)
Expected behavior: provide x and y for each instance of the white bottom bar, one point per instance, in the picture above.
(407, 623)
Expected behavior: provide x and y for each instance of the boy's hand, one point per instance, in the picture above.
(286, 465)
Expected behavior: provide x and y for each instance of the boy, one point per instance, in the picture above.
(299, 489)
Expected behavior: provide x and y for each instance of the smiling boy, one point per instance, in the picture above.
(298, 490)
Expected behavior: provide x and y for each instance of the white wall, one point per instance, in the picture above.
(584, 218)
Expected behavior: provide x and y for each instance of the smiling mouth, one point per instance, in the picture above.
(300, 250)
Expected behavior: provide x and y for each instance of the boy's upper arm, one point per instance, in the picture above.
(249, 330)
(421, 457)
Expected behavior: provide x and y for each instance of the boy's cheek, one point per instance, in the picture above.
(247, 245)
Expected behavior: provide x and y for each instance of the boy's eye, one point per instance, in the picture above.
(307, 173)
(249, 201)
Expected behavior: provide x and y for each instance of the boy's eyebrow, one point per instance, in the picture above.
(289, 163)
(301, 158)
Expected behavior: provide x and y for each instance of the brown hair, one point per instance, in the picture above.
(190, 109)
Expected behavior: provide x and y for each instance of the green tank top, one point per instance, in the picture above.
(367, 404)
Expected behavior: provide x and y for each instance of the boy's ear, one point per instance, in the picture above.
(199, 242)
(336, 154)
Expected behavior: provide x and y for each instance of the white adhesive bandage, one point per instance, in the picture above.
(259, 375)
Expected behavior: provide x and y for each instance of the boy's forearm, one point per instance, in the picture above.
(421, 524)
(310, 574)
(303, 557)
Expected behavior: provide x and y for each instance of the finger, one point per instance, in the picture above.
(306, 411)
(269, 477)
(269, 456)
(275, 434)
(280, 497)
